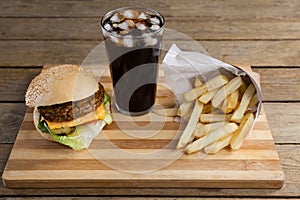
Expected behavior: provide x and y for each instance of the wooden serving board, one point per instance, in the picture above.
(141, 152)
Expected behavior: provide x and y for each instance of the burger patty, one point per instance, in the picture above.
(73, 109)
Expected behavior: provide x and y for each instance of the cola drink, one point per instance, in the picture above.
(133, 42)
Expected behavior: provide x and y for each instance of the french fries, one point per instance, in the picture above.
(216, 82)
(204, 129)
(243, 88)
(214, 136)
(184, 108)
(253, 101)
(191, 125)
(194, 93)
(219, 113)
(244, 128)
(209, 118)
(169, 112)
(229, 88)
(212, 84)
(239, 112)
(218, 145)
(205, 98)
(197, 82)
(230, 102)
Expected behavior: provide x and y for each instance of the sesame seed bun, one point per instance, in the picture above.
(59, 84)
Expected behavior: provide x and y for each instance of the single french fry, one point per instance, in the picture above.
(204, 129)
(230, 102)
(206, 97)
(241, 109)
(169, 112)
(243, 87)
(209, 118)
(184, 108)
(213, 136)
(244, 128)
(218, 145)
(197, 82)
(200, 130)
(216, 82)
(194, 93)
(226, 90)
(191, 125)
(233, 101)
(212, 84)
(187, 116)
(253, 101)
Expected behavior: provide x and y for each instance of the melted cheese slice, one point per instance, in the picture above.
(98, 114)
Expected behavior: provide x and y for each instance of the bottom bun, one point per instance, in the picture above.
(36, 117)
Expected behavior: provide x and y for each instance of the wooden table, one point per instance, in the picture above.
(263, 34)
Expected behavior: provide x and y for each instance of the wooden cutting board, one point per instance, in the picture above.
(140, 152)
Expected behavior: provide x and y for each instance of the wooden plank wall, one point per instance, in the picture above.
(262, 33)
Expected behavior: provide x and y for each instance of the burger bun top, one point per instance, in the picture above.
(60, 84)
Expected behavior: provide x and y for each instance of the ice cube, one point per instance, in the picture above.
(142, 16)
(140, 26)
(128, 41)
(149, 41)
(128, 14)
(155, 27)
(154, 20)
(115, 18)
(130, 23)
(115, 25)
(123, 25)
(107, 27)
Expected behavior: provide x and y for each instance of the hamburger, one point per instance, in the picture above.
(70, 106)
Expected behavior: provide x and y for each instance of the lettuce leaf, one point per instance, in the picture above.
(42, 127)
(106, 102)
(106, 99)
(72, 140)
(80, 139)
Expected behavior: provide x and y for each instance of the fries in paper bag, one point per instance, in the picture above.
(218, 101)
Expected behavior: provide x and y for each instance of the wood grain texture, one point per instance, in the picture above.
(68, 29)
(117, 161)
(5, 150)
(11, 115)
(219, 9)
(287, 153)
(257, 53)
(270, 28)
(14, 83)
(277, 84)
(261, 163)
(284, 121)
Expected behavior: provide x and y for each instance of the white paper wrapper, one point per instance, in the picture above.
(181, 67)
